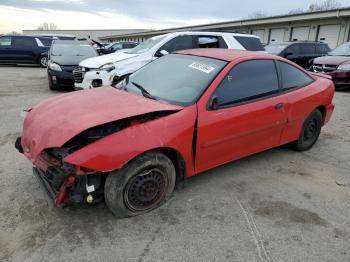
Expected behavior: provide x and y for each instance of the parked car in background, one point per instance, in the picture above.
(113, 47)
(20, 49)
(178, 116)
(103, 70)
(299, 52)
(64, 56)
(58, 36)
(337, 65)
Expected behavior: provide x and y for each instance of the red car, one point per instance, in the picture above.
(176, 117)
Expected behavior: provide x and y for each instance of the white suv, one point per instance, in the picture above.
(102, 70)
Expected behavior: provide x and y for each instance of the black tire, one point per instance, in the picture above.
(310, 132)
(144, 184)
(43, 61)
(52, 86)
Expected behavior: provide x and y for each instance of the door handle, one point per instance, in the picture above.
(279, 106)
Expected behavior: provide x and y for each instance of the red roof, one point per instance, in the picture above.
(225, 54)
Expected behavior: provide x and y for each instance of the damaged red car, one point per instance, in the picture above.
(176, 117)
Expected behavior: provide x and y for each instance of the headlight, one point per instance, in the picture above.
(54, 66)
(344, 67)
(108, 67)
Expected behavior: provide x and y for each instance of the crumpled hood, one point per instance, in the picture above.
(56, 120)
(96, 62)
(331, 60)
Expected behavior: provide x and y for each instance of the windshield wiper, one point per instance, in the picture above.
(144, 92)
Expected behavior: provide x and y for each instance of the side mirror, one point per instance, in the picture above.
(161, 53)
(289, 54)
(213, 103)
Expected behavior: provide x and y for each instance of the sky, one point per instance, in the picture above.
(16, 15)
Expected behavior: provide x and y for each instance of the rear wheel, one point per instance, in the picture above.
(310, 132)
(141, 186)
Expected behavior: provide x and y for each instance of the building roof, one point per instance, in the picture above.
(340, 12)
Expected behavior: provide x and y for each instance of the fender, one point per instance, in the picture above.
(119, 148)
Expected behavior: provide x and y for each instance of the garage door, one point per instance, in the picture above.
(300, 33)
(277, 35)
(329, 34)
(260, 33)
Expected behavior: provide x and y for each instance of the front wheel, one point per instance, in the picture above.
(43, 61)
(141, 186)
(310, 132)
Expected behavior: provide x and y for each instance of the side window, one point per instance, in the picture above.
(178, 43)
(117, 46)
(293, 77)
(322, 49)
(307, 49)
(25, 42)
(46, 41)
(128, 45)
(247, 81)
(5, 41)
(292, 50)
(207, 41)
(250, 43)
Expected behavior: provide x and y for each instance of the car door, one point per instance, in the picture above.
(26, 49)
(308, 52)
(292, 53)
(244, 115)
(6, 49)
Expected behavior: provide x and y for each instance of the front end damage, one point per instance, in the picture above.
(68, 184)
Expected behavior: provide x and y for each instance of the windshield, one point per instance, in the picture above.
(343, 50)
(176, 79)
(146, 45)
(275, 49)
(73, 50)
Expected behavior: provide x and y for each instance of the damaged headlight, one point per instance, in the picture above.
(108, 67)
(55, 67)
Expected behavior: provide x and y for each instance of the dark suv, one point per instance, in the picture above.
(301, 53)
(20, 49)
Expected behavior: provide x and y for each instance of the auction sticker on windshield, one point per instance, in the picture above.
(202, 67)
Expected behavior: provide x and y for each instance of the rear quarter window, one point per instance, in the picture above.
(250, 43)
(293, 77)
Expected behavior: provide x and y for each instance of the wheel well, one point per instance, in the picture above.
(322, 109)
(178, 161)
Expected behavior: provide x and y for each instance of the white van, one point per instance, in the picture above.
(101, 70)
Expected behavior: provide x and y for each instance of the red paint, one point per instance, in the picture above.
(62, 197)
(223, 135)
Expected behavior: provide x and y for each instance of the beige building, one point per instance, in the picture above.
(332, 27)
(86, 33)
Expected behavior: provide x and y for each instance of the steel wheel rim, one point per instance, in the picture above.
(43, 61)
(310, 131)
(145, 190)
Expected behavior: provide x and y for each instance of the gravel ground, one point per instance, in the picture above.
(278, 205)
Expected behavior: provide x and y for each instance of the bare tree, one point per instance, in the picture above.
(14, 33)
(257, 14)
(296, 11)
(325, 5)
(47, 26)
